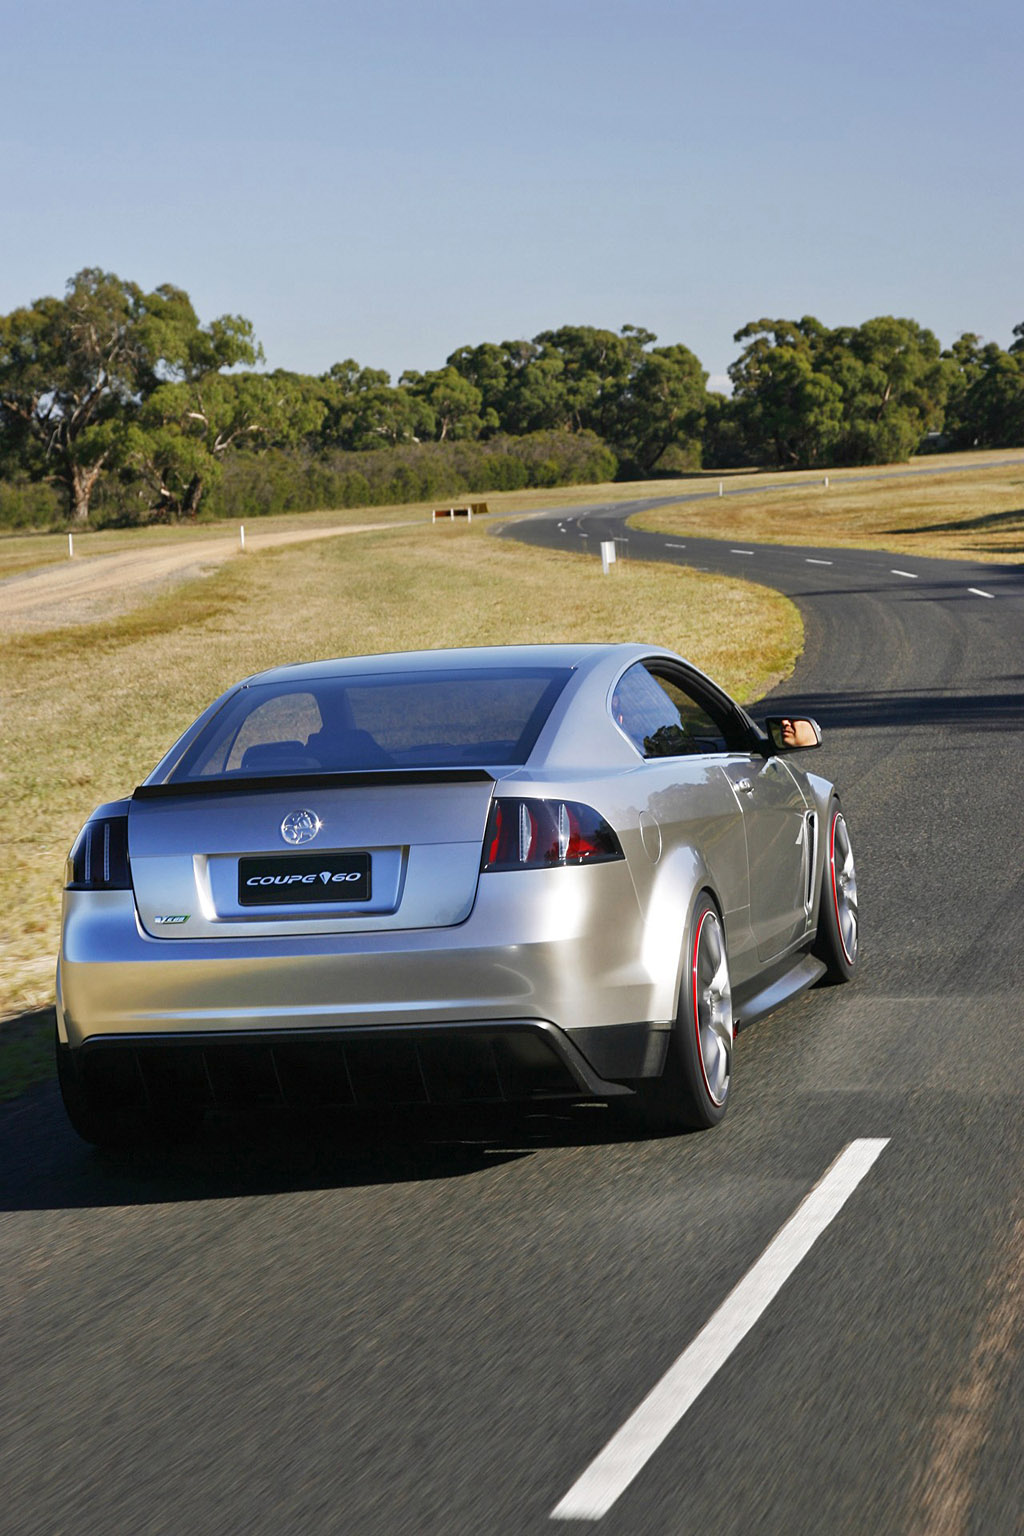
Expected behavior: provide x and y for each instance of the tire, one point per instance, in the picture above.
(693, 1090)
(838, 939)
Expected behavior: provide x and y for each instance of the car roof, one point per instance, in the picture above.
(459, 659)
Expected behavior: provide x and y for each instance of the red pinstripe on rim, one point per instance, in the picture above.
(835, 893)
(696, 1011)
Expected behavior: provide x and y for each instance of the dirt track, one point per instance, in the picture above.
(85, 589)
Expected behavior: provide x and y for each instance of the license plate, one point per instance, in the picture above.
(283, 879)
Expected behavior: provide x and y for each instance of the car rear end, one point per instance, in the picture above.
(349, 935)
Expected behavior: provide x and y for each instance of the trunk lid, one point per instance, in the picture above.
(333, 853)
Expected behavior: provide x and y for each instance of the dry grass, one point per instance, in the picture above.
(963, 508)
(23, 552)
(87, 712)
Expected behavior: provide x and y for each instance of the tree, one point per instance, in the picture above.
(74, 372)
(987, 402)
(363, 410)
(894, 384)
(597, 367)
(789, 410)
(489, 369)
(662, 407)
(452, 400)
(866, 395)
(182, 433)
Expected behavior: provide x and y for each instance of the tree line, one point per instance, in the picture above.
(118, 405)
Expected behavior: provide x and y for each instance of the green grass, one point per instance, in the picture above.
(87, 711)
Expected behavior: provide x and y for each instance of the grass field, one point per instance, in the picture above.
(967, 507)
(86, 712)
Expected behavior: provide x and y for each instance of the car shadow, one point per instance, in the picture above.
(45, 1166)
(1002, 709)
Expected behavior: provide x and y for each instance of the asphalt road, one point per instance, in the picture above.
(438, 1329)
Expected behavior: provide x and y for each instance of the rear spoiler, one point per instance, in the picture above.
(295, 782)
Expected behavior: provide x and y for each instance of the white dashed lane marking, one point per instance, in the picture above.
(594, 1493)
(741, 551)
(979, 593)
(809, 561)
(910, 575)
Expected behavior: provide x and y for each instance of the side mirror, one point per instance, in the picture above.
(788, 733)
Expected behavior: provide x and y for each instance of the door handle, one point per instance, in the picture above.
(744, 786)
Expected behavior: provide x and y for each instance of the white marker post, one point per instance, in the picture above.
(71, 545)
(607, 554)
(241, 536)
(721, 488)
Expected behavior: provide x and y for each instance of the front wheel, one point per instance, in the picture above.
(693, 1091)
(838, 937)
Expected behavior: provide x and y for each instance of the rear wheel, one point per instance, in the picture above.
(838, 937)
(693, 1091)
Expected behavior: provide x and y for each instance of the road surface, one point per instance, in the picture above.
(443, 1332)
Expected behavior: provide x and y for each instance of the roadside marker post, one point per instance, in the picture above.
(607, 555)
(71, 545)
(241, 536)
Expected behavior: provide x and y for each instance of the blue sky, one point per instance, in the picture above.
(391, 180)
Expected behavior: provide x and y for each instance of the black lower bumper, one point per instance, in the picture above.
(509, 1061)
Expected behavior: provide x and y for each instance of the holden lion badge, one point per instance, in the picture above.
(300, 827)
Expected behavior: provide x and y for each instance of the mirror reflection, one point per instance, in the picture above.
(788, 733)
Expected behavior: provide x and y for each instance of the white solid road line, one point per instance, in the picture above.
(911, 575)
(594, 1493)
(979, 593)
(809, 561)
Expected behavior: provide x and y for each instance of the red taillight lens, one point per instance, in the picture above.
(99, 859)
(541, 834)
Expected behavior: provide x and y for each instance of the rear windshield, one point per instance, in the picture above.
(480, 719)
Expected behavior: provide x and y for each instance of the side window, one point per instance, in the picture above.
(661, 718)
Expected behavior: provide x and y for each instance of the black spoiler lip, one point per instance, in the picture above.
(295, 782)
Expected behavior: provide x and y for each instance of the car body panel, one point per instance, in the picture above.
(589, 957)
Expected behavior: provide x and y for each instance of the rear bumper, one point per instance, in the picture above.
(474, 1062)
(565, 948)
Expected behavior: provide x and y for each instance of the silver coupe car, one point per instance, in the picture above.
(522, 872)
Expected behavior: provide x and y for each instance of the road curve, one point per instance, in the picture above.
(440, 1332)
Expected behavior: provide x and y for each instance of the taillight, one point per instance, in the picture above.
(99, 859)
(542, 834)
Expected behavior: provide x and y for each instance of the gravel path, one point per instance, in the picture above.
(92, 587)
